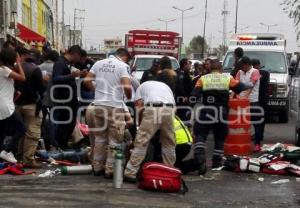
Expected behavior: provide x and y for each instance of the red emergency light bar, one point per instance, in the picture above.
(259, 36)
(247, 37)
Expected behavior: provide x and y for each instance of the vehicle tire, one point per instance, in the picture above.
(284, 117)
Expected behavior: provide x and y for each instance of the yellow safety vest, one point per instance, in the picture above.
(215, 81)
(182, 133)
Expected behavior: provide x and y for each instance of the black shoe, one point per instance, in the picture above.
(130, 180)
(98, 173)
(202, 169)
(108, 175)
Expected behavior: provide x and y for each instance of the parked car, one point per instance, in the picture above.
(141, 63)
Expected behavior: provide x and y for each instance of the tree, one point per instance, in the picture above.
(195, 46)
(292, 8)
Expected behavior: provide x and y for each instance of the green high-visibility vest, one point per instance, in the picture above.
(182, 133)
(215, 81)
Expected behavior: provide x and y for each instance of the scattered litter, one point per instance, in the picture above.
(281, 181)
(218, 169)
(292, 148)
(50, 173)
(272, 148)
(279, 165)
(254, 165)
(261, 179)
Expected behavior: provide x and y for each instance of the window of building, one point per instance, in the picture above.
(26, 14)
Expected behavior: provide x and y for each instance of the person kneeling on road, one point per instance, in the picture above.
(214, 89)
(184, 141)
(155, 102)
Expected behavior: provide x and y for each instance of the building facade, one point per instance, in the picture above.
(112, 44)
(38, 16)
(30, 21)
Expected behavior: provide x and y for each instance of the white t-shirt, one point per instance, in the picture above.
(108, 73)
(249, 77)
(7, 106)
(155, 92)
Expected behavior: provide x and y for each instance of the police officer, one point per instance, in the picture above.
(184, 87)
(151, 73)
(214, 89)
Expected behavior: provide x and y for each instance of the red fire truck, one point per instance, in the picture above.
(151, 42)
(147, 46)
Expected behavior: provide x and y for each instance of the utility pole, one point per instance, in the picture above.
(182, 18)
(204, 30)
(236, 16)
(81, 30)
(210, 42)
(166, 21)
(78, 14)
(4, 20)
(225, 12)
(63, 24)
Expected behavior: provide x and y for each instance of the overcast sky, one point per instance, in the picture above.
(113, 18)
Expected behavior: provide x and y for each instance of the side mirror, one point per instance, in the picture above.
(292, 71)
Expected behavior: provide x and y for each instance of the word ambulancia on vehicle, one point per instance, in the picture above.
(257, 43)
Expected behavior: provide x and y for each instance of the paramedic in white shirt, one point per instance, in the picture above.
(112, 84)
(155, 104)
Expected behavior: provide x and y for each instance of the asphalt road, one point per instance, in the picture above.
(216, 189)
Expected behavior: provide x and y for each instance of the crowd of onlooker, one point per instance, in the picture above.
(27, 96)
(44, 95)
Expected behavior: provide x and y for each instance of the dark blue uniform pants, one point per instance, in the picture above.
(215, 120)
(258, 121)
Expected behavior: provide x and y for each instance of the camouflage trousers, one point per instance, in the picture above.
(108, 131)
(154, 118)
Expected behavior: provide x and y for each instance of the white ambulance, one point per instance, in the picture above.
(270, 49)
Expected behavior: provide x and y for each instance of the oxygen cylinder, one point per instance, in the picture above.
(76, 170)
(118, 169)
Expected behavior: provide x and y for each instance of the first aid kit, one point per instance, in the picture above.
(161, 177)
